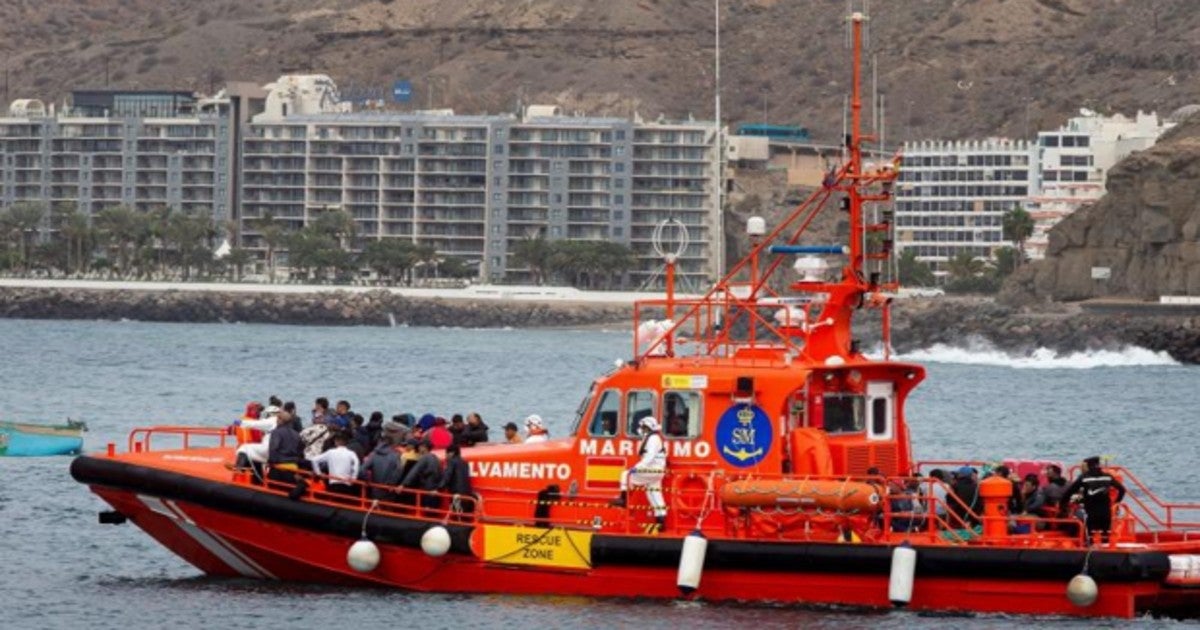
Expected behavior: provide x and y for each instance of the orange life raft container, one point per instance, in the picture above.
(844, 496)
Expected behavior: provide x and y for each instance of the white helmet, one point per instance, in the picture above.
(649, 423)
(533, 422)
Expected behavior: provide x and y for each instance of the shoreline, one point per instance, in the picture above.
(917, 322)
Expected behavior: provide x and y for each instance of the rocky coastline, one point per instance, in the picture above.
(332, 308)
(917, 323)
(1063, 328)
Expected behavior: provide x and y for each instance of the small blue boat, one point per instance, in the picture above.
(18, 439)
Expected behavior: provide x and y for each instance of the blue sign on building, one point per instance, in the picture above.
(402, 91)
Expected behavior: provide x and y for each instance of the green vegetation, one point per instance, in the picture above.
(1017, 226)
(913, 272)
(164, 243)
(583, 264)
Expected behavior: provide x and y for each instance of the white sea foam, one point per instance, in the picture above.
(979, 352)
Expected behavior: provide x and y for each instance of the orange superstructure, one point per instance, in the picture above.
(789, 473)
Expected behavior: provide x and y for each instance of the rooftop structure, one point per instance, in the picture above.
(132, 103)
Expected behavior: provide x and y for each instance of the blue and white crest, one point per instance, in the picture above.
(744, 435)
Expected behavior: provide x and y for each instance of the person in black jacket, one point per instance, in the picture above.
(425, 475)
(476, 431)
(285, 451)
(456, 479)
(969, 506)
(1094, 485)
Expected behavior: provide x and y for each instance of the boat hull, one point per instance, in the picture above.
(241, 531)
(28, 440)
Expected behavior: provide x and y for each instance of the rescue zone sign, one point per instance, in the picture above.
(537, 546)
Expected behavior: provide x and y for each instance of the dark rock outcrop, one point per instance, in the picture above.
(1062, 328)
(1146, 230)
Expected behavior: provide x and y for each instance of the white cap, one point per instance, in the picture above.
(533, 422)
(650, 423)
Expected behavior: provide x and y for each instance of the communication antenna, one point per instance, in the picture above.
(659, 239)
(669, 241)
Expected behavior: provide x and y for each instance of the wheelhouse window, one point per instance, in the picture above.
(682, 414)
(843, 413)
(581, 410)
(638, 404)
(606, 419)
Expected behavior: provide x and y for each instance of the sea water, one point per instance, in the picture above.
(61, 569)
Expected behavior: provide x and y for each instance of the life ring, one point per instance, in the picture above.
(688, 495)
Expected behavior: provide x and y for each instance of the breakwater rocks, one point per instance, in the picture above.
(916, 323)
(336, 308)
(1063, 328)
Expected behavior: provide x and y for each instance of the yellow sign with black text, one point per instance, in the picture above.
(537, 546)
(685, 381)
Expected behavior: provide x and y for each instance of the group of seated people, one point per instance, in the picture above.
(392, 456)
(956, 499)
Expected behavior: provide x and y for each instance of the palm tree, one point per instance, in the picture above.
(191, 234)
(23, 220)
(273, 235)
(914, 272)
(74, 228)
(964, 266)
(119, 227)
(534, 254)
(390, 258)
(1007, 259)
(338, 224)
(1017, 226)
(236, 259)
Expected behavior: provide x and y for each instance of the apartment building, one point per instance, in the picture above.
(474, 186)
(90, 162)
(952, 196)
(1073, 165)
(470, 186)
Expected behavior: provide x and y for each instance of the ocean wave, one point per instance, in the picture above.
(979, 352)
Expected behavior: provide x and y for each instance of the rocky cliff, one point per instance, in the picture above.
(1146, 231)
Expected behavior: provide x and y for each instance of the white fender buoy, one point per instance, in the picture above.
(363, 556)
(691, 562)
(435, 542)
(904, 568)
(1082, 590)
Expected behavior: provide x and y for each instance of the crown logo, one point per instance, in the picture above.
(745, 415)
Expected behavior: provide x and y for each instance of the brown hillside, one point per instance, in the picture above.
(948, 68)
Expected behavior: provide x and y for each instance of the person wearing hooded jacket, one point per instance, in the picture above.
(456, 479)
(426, 474)
(649, 471)
(382, 468)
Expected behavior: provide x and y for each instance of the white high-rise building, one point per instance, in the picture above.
(144, 150)
(952, 196)
(1073, 164)
(474, 186)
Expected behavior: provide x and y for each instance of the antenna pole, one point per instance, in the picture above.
(855, 149)
(718, 145)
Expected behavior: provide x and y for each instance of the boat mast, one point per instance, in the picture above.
(854, 141)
